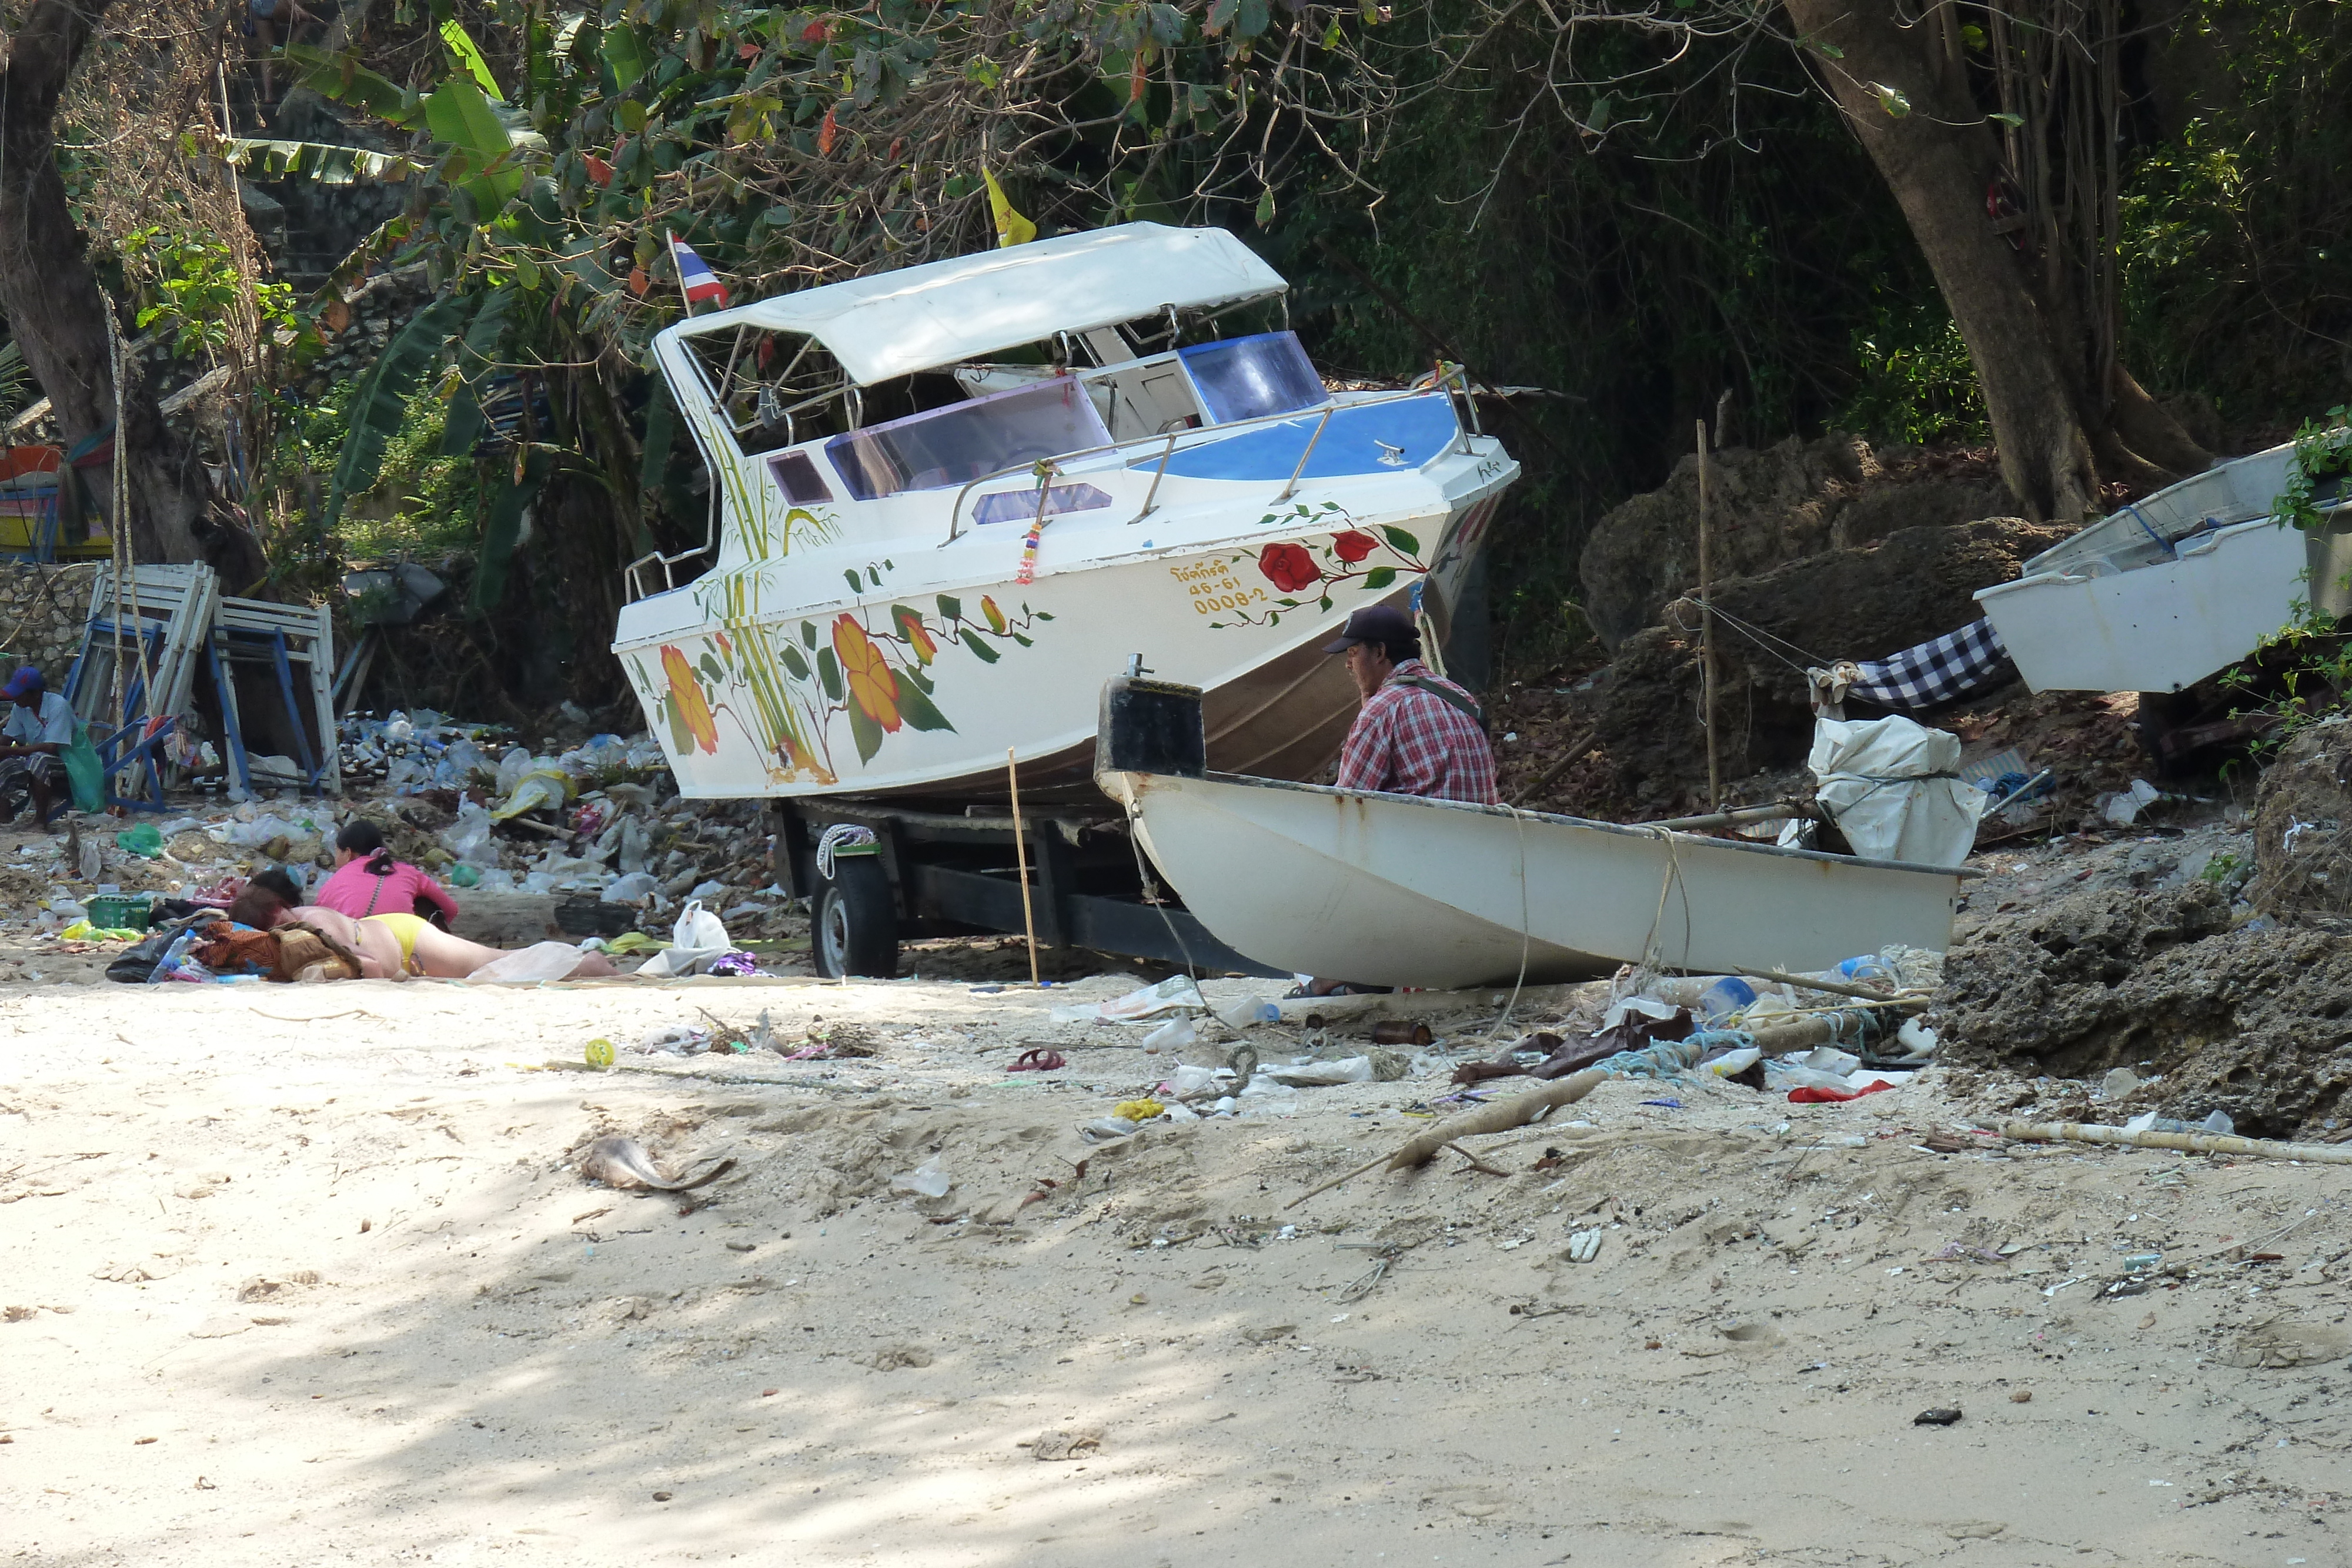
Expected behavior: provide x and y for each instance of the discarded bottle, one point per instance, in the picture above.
(1402, 1031)
(1174, 1035)
(1248, 1013)
(1727, 996)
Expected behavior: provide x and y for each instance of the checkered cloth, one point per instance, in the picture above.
(1936, 672)
(1408, 740)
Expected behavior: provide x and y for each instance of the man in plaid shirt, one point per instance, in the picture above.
(1416, 735)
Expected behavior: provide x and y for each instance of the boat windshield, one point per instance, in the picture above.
(963, 441)
(1249, 378)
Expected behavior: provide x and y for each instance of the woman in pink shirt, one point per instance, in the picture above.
(368, 881)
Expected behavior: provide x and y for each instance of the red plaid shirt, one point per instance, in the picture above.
(1412, 742)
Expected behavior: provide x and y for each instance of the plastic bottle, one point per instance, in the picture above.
(1174, 1035)
(1732, 1063)
(1727, 996)
(1248, 1013)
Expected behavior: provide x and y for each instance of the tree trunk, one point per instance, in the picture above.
(1938, 157)
(55, 309)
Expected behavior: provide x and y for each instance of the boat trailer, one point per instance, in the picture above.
(945, 871)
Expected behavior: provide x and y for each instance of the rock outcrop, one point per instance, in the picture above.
(1863, 602)
(1769, 507)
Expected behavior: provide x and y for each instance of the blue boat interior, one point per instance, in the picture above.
(1395, 435)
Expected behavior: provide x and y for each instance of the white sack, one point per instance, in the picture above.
(1869, 774)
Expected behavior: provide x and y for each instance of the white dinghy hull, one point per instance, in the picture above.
(2170, 588)
(1397, 891)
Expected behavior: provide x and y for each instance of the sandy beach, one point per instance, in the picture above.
(307, 1274)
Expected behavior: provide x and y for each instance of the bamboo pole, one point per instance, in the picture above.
(1707, 636)
(2186, 1143)
(1021, 854)
(1771, 812)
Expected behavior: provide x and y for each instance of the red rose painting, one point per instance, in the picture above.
(1352, 547)
(1290, 568)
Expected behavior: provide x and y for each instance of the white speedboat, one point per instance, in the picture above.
(946, 498)
(2171, 589)
(1399, 891)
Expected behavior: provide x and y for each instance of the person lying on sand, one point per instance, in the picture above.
(394, 947)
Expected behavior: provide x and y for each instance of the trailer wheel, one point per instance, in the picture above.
(854, 925)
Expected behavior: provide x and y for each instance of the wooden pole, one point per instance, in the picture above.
(1706, 637)
(1021, 854)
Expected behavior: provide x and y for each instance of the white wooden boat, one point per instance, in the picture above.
(2171, 589)
(880, 450)
(1395, 890)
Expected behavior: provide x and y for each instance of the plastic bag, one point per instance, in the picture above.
(468, 838)
(145, 841)
(697, 940)
(547, 788)
(85, 774)
(634, 888)
(1175, 993)
(530, 965)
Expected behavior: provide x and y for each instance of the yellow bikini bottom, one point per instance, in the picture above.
(407, 928)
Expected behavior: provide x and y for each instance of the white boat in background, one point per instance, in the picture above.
(1399, 891)
(2171, 589)
(946, 498)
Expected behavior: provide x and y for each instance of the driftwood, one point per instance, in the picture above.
(1499, 1117)
(623, 1161)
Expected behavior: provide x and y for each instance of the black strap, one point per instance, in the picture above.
(1453, 697)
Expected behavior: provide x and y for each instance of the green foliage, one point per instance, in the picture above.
(189, 287)
(379, 406)
(1634, 277)
(1917, 383)
(2237, 271)
(2322, 453)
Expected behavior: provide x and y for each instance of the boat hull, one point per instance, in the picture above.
(2158, 627)
(1394, 890)
(921, 692)
(2173, 588)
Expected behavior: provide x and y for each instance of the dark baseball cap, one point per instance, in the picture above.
(25, 683)
(1375, 624)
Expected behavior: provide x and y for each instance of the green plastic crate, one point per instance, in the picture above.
(119, 912)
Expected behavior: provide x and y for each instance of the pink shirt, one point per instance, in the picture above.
(359, 892)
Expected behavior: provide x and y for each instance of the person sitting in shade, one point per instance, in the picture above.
(36, 736)
(1416, 734)
(367, 881)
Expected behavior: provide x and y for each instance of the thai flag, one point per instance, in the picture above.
(695, 277)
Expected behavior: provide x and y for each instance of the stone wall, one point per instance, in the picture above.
(41, 612)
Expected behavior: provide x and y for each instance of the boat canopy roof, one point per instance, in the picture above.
(947, 312)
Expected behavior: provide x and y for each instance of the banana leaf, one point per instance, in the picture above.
(381, 400)
(323, 161)
(468, 54)
(344, 79)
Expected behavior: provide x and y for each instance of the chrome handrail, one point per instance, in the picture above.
(1321, 425)
(669, 579)
(955, 514)
(1170, 437)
